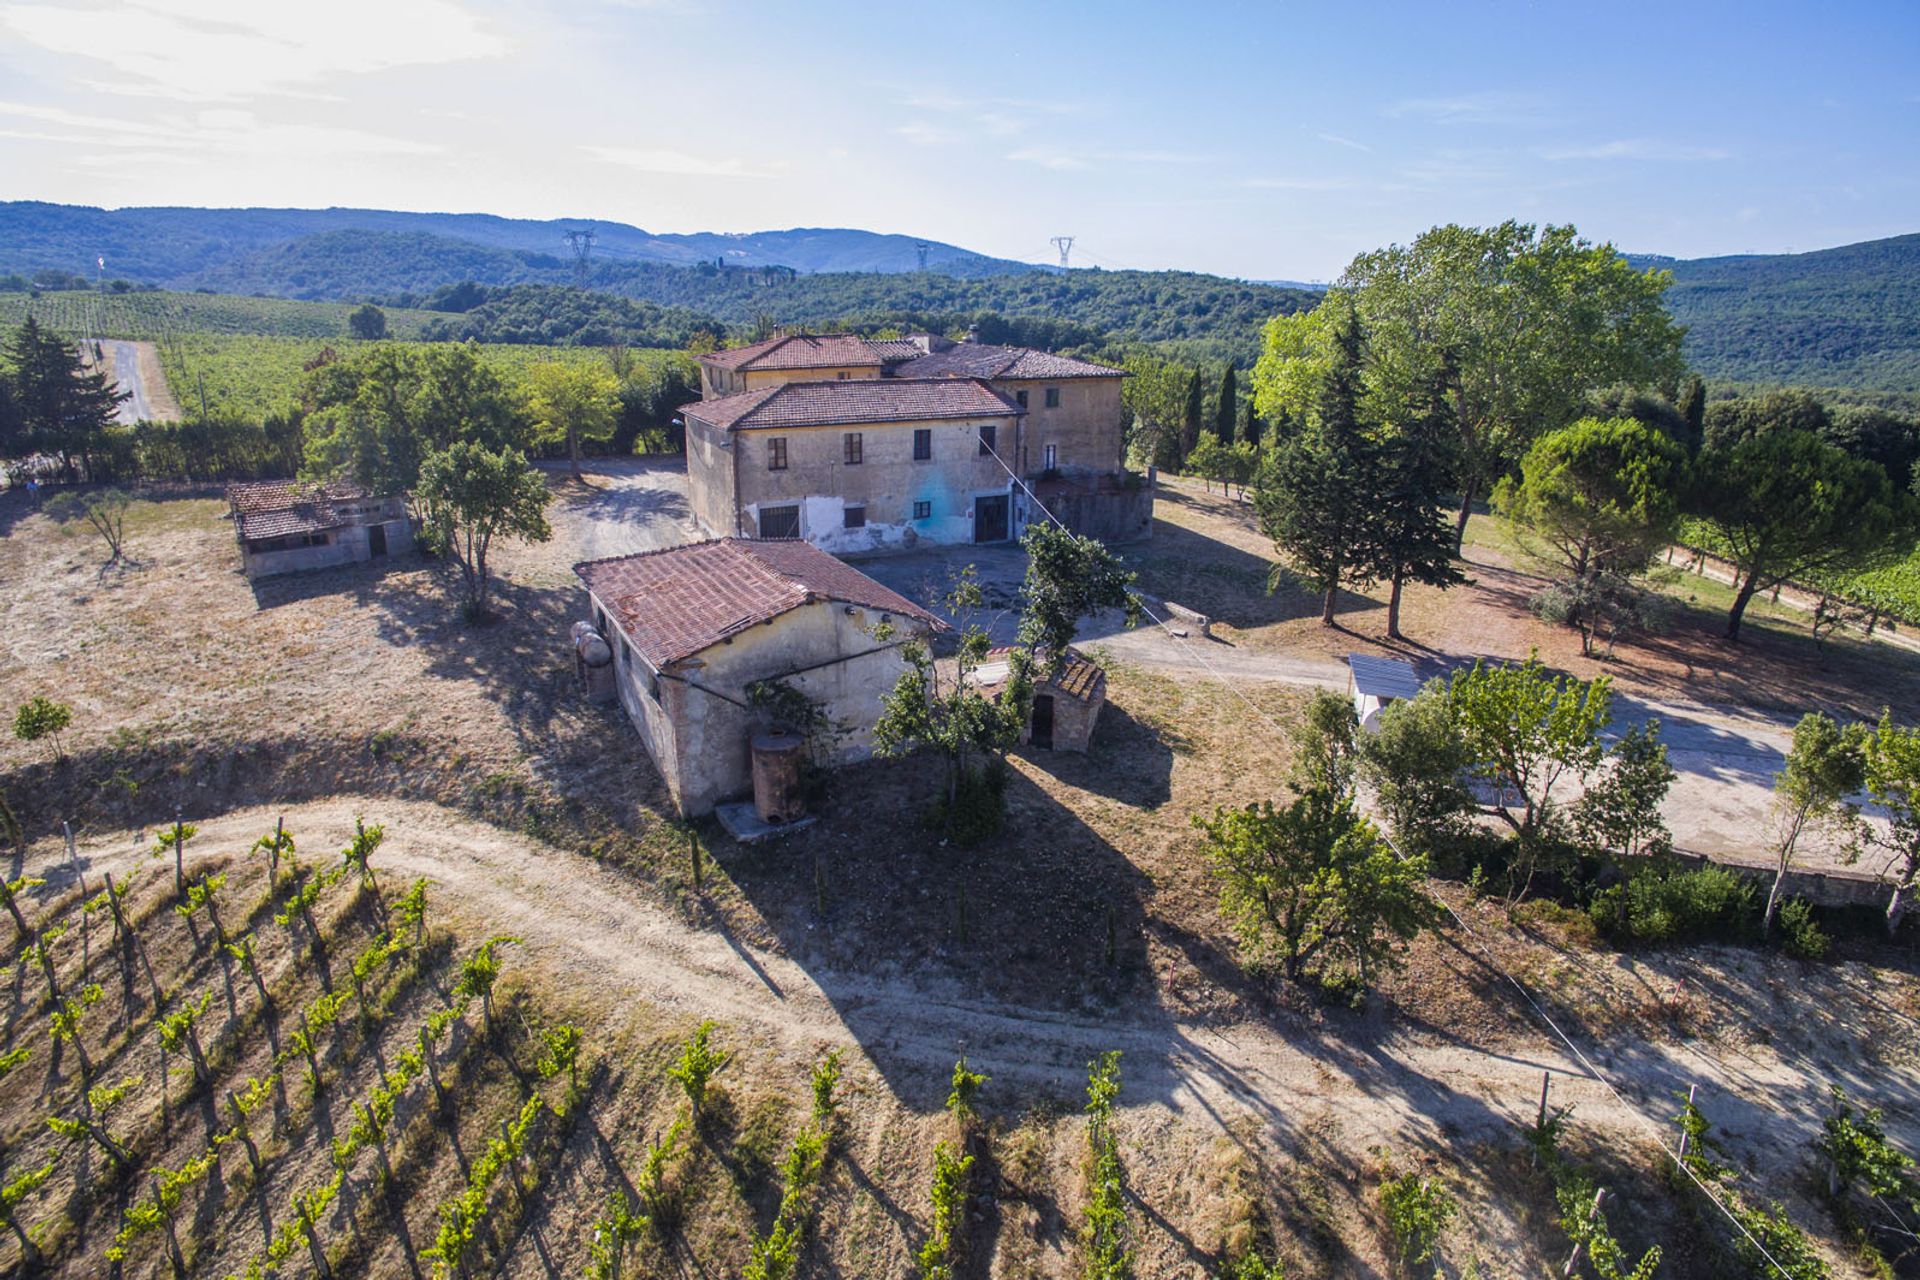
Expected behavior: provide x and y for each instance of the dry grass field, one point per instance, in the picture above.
(1249, 1110)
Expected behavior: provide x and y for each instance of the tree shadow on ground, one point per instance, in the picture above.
(1127, 760)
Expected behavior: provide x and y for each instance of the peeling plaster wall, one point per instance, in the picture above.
(690, 716)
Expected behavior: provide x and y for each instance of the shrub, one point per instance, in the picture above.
(1418, 1210)
(1664, 904)
(1800, 934)
(43, 718)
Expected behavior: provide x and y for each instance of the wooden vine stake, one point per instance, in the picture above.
(1540, 1120)
(1683, 1123)
(1599, 1198)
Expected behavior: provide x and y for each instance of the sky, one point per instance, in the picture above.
(1264, 141)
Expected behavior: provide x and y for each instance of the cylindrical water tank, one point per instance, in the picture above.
(589, 647)
(777, 758)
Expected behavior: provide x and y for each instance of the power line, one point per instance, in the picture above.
(1492, 961)
(581, 242)
(1065, 245)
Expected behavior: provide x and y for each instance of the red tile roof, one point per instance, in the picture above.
(276, 508)
(672, 604)
(984, 360)
(826, 404)
(799, 351)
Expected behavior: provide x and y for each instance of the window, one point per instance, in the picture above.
(1052, 456)
(777, 454)
(986, 438)
(921, 510)
(1021, 396)
(843, 375)
(853, 446)
(853, 517)
(1053, 397)
(922, 444)
(779, 522)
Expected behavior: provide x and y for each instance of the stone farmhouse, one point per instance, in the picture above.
(287, 526)
(859, 445)
(694, 627)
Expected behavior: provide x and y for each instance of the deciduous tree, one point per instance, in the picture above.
(1824, 766)
(572, 403)
(472, 495)
(1891, 755)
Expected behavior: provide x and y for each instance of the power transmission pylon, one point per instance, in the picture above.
(921, 250)
(1065, 245)
(582, 244)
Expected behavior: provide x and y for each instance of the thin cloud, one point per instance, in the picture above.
(1489, 107)
(1339, 141)
(1636, 149)
(211, 50)
(1063, 159)
(206, 133)
(667, 160)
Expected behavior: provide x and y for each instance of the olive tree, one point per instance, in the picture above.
(103, 510)
(42, 717)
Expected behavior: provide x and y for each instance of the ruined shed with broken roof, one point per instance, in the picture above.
(286, 526)
(694, 628)
(1066, 704)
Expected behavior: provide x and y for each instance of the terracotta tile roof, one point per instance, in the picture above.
(894, 350)
(674, 603)
(984, 360)
(826, 404)
(798, 351)
(276, 508)
(1080, 677)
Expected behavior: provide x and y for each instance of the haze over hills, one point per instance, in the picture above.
(176, 247)
(1841, 317)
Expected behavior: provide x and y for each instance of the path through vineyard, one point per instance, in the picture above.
(586, 925)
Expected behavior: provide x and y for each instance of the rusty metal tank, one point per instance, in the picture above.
(777, 759)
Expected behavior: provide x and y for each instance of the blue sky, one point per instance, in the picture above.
(1263, 140)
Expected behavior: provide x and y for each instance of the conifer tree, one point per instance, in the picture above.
(1316, 496)
(1412, 539)
(1226, 411)
(1195, 413)
(62, 408)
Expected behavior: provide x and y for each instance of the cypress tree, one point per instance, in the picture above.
(1316, 497)
(1226, 410)
(1249, 423)
(1195, 414)
(1693, 408)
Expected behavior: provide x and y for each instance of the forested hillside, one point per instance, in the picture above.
(175, 246)
(1846, 317)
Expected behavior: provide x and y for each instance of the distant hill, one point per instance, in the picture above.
(178, 247)
(1839, 318)
(1845, 317)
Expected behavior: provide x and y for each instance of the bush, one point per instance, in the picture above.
(1418, 1210)
(1800, 934)
(1664, 904)
(43, 718)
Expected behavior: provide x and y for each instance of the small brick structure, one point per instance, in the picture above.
(1065, 708)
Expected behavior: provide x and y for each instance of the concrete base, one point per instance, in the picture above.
(743, 822)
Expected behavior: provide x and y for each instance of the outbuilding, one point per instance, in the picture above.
(1376, 684)
(1065, 708)
(287, 526)
(694, 629)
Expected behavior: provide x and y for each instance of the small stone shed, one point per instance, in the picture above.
(287, 526)
(694, 627)
(1377, 683)
(1065, 708)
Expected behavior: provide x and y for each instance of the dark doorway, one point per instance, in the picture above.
(990, 519)
(377, 539)
(1042, 735)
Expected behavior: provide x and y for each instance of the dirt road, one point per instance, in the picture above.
(580, 920)
(136, 368)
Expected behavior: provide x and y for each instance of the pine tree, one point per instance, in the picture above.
(1316, 496)
(63, 408)
(1693, 408)
(1226, 410)
(1195, 414)
(1411, 539)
